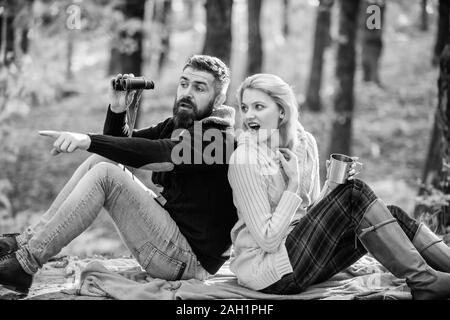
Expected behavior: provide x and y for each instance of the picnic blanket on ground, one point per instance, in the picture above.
(365, 279)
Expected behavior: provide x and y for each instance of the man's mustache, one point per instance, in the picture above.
(186, 101)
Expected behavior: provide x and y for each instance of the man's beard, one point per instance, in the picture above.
(185, 117)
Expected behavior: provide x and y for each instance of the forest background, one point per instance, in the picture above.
(366, 79)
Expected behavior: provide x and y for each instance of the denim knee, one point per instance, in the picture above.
(105, 170)
(96, 159)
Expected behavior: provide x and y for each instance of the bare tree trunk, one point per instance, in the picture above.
(286, 29)
(255, 52)
(341, 134)
(442, 30)
(437, 166)
(372, 44)
(424, 16)
(7, 34)
(21, 25)
(218, 29)
(321, 41)
(162, 16)
(69, 58)
(190, 12)
(126, 50)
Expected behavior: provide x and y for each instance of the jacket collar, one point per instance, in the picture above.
(223, 116)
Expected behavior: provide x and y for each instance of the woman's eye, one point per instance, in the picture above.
(259, 107)
(244, 108)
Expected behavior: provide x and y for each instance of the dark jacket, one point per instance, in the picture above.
(199, 197)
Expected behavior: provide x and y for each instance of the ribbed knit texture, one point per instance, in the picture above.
(266, 211)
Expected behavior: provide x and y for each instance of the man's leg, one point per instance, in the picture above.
(88, 164)
(146, 228)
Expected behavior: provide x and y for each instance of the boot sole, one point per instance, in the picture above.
(16, 289)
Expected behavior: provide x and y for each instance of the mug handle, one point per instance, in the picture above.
(358, 167)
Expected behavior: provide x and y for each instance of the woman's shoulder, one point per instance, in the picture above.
(305, 137)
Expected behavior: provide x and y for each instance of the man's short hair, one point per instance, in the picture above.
(212, 65)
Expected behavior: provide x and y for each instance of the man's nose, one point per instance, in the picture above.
(187, 92)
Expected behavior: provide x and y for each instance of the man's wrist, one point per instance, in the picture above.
(87, 143)
(116, 109)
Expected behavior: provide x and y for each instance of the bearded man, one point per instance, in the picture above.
(181, 233)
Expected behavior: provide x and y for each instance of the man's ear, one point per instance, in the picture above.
(219, 100)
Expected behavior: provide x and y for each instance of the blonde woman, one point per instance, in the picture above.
(289, 235)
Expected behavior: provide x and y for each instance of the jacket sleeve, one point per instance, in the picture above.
(250, 196)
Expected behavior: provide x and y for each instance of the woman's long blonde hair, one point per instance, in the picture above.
(283, 95)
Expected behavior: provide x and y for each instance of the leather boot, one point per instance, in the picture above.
(383, 237)
(8, 244)
(432, 248)
(12, 275)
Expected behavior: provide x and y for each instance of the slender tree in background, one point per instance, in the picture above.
(321, 41)
(255, 51)
(372, 39)
(424, 15)
(162, 16)
(190, 12)
(6, 33)
(285, 18)
(442, 30)
(341, 133)
(437, 166)
(14, 25)
(218, 29)
(126, 49)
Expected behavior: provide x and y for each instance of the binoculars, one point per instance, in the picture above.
(135, 83)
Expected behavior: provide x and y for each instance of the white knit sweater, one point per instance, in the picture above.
(266, 211)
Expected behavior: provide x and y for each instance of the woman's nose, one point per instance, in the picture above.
(249, 115)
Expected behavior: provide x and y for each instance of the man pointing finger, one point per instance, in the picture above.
(67, 142)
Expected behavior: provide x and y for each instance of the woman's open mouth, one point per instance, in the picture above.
(253, 126)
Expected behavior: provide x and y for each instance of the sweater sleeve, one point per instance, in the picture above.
(114, 123)
(115, 126)
(179, 152)
(134, 152)
(316, 173)
(251, 199)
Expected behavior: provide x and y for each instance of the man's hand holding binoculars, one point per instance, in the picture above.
(123, 87)
(118, 97)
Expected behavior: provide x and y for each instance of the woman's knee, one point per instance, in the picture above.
(363, 190)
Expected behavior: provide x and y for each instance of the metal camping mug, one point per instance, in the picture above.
(339, 167)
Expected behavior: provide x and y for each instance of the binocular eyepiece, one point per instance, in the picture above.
(135, 83)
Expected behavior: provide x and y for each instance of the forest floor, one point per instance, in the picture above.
(391, 129)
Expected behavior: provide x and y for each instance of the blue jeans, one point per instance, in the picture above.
(146, 228)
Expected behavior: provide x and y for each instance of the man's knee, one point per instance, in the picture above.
(96, 159)
(106, 168)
